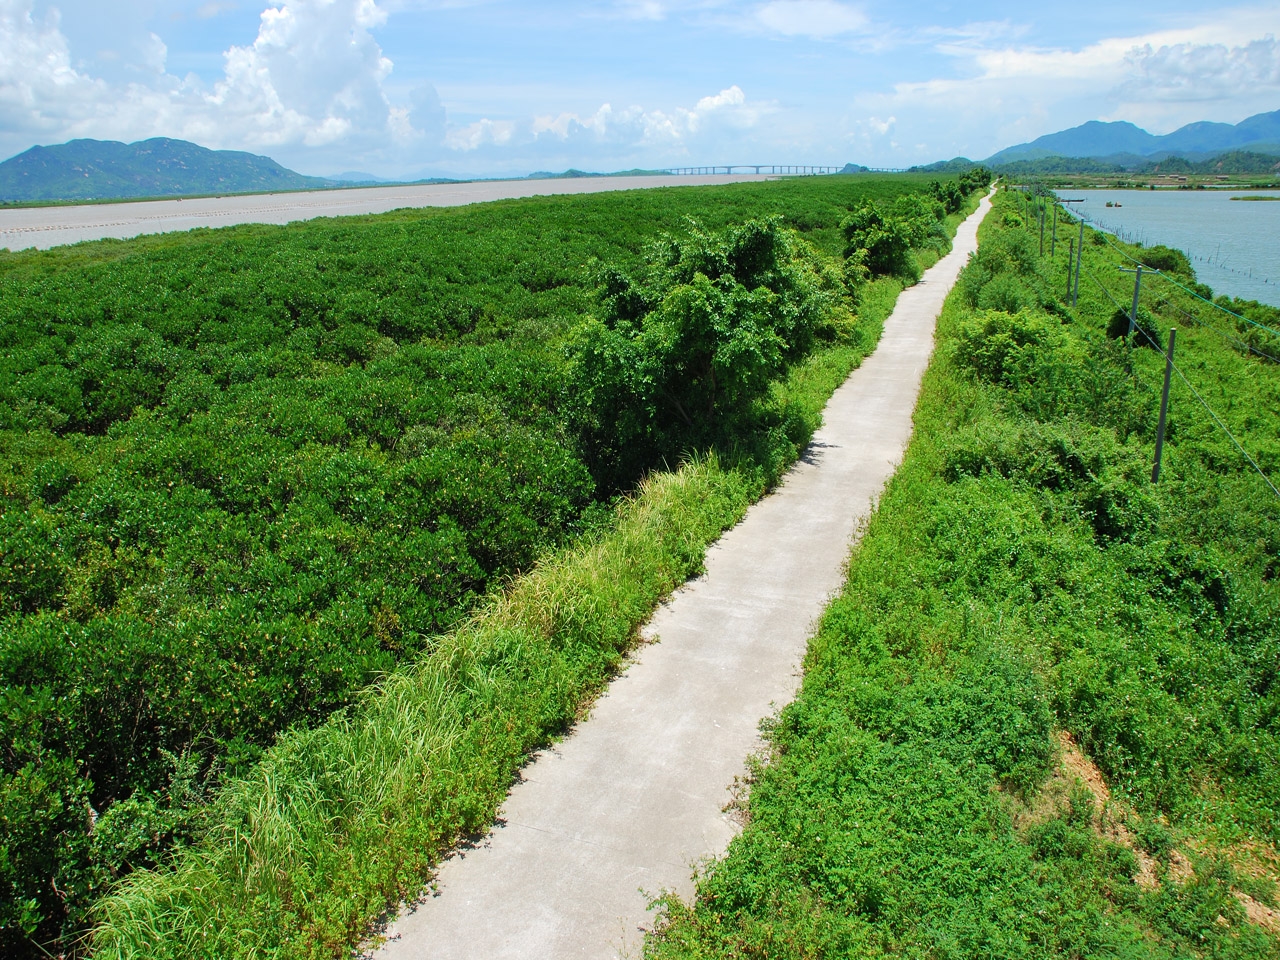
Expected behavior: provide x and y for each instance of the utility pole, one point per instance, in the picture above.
(1071, 257)
(1164, 405)
(1042, 229)
(1075, 293)
(1137, 286)
(1053, 242)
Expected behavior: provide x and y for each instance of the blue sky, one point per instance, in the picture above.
(490, 87)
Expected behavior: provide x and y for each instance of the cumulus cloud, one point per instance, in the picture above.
(313, 76)
(39, 88)
(676, 129)
(1198, 72)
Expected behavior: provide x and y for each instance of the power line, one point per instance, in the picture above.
(1218, 420)
(1225, 336)
(1161, 273)
(1194, 319)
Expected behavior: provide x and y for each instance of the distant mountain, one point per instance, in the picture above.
(107, 170)
(572, 174)
(355, 176)
(956, 165)
(1197, 141)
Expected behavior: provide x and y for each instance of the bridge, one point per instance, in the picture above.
(802, 170)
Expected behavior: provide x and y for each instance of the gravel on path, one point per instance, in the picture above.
(635, 796)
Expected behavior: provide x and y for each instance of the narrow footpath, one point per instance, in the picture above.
(635, 796)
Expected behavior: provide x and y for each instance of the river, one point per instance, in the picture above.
(1234, 245)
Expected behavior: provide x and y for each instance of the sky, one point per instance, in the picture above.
(469, 88)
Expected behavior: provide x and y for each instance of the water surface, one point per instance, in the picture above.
(1234, 245)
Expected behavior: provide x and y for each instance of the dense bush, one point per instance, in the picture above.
(681, 354)
(245, 472)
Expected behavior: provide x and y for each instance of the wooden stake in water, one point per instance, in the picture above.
(1164, 405)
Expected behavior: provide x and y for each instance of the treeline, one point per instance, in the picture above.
(245, 472)
(1043, 719)
(1232, 162)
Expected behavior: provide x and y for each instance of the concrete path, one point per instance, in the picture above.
(635, 795)
(45, 227)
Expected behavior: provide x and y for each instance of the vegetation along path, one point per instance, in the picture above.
(625, 805)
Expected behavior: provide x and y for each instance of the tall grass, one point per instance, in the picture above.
(339, 821)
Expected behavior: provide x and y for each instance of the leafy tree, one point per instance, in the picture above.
(885, 242)
(713, 319)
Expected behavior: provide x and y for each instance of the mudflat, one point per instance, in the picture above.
(44, 227)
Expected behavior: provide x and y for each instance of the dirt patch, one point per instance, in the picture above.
(1109, 817)
(1259, 913)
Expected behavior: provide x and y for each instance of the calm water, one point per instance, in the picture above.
(1234, 245)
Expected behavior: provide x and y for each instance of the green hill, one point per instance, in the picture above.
(109, 170)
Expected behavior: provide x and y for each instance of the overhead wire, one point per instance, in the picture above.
(1190, 316)
(1194, 392)
(1248, 347)
(1218, 420)
(1160, 273)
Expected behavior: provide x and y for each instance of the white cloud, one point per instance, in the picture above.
(1197, 72)
(728, 109)
(40, 91)
(314, 74)
(1012, 93)
(313, 77)
(817, 19)
(732, 97)
(479, 134)
(155, 53)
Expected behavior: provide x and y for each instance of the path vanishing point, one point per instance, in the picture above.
(625, 806)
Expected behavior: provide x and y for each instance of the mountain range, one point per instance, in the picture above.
(106, 169)
(1122, 143)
